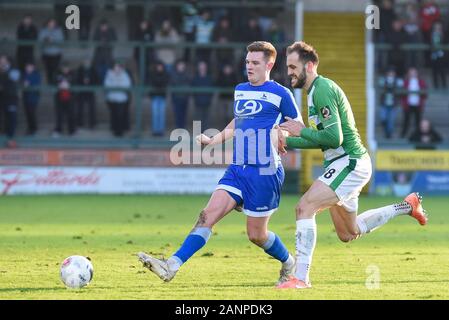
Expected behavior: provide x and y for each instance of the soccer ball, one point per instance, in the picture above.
(76, 271)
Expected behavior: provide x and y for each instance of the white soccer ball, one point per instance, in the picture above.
(76, 271)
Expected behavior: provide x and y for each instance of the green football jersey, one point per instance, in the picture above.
(331, 123)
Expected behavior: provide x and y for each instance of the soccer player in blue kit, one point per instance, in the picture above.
(252, 183)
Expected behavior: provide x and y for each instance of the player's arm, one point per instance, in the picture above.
(281, 139)
(331, 135)
(226, 134)
(289, 109)
(301, 143)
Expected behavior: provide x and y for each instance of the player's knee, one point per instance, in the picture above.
(303, 211)
(256, 238)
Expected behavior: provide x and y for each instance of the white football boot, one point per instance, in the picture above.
(159, 267)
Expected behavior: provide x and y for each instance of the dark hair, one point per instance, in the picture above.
(305, 52)
(269, 51)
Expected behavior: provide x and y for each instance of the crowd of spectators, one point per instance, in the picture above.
(405, 74)
(165, 64)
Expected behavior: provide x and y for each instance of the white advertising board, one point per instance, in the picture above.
(45, 180)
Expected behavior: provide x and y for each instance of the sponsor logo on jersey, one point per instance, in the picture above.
(250, 107)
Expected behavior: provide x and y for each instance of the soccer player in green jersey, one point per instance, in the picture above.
(347, 165)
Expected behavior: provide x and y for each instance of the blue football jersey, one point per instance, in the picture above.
(256, 110)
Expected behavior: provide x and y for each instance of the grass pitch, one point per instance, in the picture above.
(38, 232)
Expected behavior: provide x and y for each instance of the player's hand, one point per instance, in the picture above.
(279, 139)
(292, 126)
(202, 139)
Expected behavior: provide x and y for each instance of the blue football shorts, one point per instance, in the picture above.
(258, 193)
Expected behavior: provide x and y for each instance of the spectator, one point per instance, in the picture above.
(413, 34)
(60, 16)
(4, 68)
(158, 78)
(144, 34)
(223, 34)
(9, 97)
(396, 38)
(387, 16)
(203, 35)
(86, 76)
(189, 20)
(276, 35)
(127, 119)
(252, 32)
(437, 55)
(86, 15)
(64, 102)
(180, 78)
(12, 101)
(117, 98)
(31, 78)
(425, 137)
(51, 36)
(389, 101)
(167, 35)
(26, 31)
(103, 56)
(413, 102)
(134, 14)
(202, 100)
(227, 79)
(430, 13)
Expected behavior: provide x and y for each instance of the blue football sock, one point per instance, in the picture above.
(275, 248)
(193, 242)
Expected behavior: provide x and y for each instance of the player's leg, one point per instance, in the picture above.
(350, 226)
(374, 218)
(322, 194)
(220, 204)
(345, 223)
(317, 198)
(258, 233)
(261, 197)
